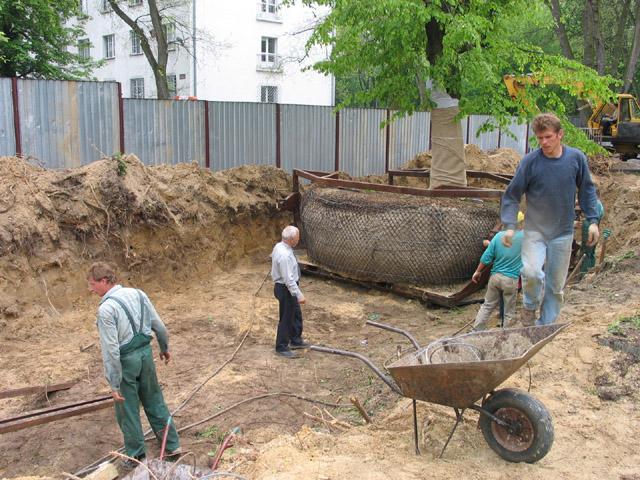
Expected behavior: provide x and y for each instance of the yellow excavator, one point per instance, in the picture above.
(615, 126)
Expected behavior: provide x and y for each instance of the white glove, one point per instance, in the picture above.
(594, 233)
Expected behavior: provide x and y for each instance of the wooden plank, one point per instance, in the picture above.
(458, 192)
(409, 291)
(51, 414)
(18, 392)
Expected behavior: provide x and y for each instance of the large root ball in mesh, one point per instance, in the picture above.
(395, 238)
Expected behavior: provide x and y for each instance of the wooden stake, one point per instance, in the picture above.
(363, 412)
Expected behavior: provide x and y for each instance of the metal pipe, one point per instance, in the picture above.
(388, 380)
(193, 47)
(415, 427)
(16, 116)
(164, 437)
(396, 330)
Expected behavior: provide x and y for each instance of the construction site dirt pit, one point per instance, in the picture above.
(198, 244)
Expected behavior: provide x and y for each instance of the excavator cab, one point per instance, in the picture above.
(625, 131)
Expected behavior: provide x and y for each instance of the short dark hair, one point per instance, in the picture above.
(546, 121)
(100, 270)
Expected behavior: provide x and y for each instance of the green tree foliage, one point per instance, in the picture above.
(464, 46)
(37, 35)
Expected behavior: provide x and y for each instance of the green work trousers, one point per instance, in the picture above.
(140, 385)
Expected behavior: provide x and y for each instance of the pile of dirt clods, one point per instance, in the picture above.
(165, 220)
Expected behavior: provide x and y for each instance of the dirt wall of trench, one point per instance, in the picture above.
(157, 224)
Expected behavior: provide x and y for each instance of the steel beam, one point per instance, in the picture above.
(18, 392)
(51, 414)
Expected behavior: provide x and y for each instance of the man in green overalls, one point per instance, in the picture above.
(589, 251)
(126, 320)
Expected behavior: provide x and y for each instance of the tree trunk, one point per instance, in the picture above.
(619, 50)
(158, 64)
(597, 38)
(561, 31)
(594, 55)
(160, 73)
(588, 35)
(635, 51)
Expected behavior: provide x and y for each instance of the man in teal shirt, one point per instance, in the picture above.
(505, 270)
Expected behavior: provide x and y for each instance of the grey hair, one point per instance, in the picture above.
(289, 232)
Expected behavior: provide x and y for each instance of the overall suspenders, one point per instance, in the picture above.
(139, 339)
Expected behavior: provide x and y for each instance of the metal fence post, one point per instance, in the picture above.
(278, 146)
(337, 152)
(16, 116)
(387, 135)
(121, 116)
(430, 129)
(207, 154)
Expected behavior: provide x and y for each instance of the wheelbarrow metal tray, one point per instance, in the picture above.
(460, 384)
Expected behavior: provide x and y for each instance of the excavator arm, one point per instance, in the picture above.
(617, 123)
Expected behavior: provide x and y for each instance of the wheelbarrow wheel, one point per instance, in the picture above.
(529, 435)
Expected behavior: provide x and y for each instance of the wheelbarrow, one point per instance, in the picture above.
(463, 370)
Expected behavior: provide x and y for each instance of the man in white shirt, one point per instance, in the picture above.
(286, 276)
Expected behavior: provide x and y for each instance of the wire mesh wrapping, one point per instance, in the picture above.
(395, 238)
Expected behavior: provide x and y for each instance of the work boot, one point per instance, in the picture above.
(130, 463)
(298, 345)
(173, 455)
(287, 353)
(527, 317)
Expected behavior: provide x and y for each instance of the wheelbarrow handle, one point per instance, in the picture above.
(392, 385)
(384, 326)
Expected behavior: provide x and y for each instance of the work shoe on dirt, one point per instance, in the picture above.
(130, 463)
(287, 353)
(527, 317)
(173, 455)
(303, 344)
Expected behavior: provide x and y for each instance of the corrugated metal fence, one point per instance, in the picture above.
(66, 124)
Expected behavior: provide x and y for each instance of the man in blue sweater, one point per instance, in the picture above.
(549, 176)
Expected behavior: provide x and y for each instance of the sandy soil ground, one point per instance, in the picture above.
(209, 301)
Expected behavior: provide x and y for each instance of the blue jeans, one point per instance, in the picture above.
(554, 255)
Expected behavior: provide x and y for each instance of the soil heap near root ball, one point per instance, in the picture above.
(160, 222)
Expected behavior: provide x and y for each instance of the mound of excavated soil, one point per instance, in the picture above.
(160, 222)
(502, 160)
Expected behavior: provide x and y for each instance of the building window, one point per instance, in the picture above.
(137, 88)
(269, 6)
(268, 50)
(136, 47)
(135, 3)
(84, 49)
(109, 46)
(268, 94)
(170, 34)
(269, 11)
(172, 83)
(105, 7)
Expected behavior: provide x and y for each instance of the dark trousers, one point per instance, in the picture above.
(290, 323)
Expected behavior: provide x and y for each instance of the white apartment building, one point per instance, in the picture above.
(245, 50)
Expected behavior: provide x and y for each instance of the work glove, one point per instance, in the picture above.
(507, 238)
(594, 233)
